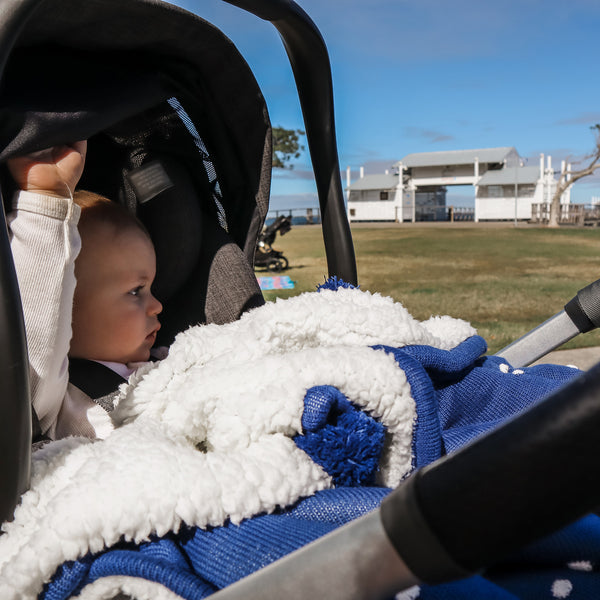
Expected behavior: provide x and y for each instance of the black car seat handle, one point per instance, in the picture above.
(309, 59)
(15, 407)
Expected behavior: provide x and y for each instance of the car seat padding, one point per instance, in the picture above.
(173, 218)
(220, 288)
(88, 95)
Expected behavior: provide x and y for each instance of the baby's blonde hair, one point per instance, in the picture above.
(98, 210)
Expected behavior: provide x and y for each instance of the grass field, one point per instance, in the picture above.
(504, 280)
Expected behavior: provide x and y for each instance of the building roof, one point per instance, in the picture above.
(375, 182)
(506, 176)
(456, 157)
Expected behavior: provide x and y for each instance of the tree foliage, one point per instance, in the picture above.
(286, 146)
(568, 178)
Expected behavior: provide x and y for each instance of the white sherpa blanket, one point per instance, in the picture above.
(206, 434)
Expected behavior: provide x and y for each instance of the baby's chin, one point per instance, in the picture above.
(139, 357)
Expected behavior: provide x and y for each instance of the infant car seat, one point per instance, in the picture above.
(177, 130)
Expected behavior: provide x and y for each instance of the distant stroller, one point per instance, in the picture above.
(265, 256)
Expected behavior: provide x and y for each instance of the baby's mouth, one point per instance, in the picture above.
(152, 335)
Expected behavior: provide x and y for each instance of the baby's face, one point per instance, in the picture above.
(114, 312)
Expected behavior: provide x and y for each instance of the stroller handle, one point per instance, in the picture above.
(580, 315)
(309, 59)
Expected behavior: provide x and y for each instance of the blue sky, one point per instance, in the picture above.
(429, 75)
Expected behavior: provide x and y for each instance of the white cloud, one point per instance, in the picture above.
(431, 135)
(588, 118)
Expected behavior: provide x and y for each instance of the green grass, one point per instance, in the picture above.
(503, 280)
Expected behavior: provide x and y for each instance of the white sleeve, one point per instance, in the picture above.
(45, 242)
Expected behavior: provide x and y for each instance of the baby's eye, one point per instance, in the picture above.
(136, 291)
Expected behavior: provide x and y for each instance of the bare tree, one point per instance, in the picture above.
(568, 178)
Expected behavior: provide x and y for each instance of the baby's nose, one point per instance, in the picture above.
(154, 307)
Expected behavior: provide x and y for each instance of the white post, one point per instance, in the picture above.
(516, 190)
(563, 176)
(550, 176)
(348, 181)
(567, 193)
(362, 172)
(542, 199)
(476, 188)
(399, 199)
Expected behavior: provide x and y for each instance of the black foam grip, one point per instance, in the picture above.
(409, 532)
(589, 298)
(526, 479)
(584, 308)
(576, 313)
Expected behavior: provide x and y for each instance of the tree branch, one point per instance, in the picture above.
(564, 182)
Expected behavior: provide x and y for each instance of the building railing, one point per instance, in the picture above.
(460, 213)
(570, 214)
(299, 216)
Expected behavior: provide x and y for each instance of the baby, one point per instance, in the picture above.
(114, 311)
(98, 307)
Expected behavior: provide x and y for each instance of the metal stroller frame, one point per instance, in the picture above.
(413, 537)
(580, 315)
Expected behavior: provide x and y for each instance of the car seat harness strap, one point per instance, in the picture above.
(96, 380)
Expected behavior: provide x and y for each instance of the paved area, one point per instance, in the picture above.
(582, 358)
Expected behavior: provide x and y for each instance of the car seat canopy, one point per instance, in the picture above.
(158, 92)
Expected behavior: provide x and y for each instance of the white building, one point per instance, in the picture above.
(503, 188)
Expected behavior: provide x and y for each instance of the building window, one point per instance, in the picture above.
(495, 191)
(383, 195)
(526, 190)
(352, 212)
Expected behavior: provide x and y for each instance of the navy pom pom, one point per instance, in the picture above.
(334, 283)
